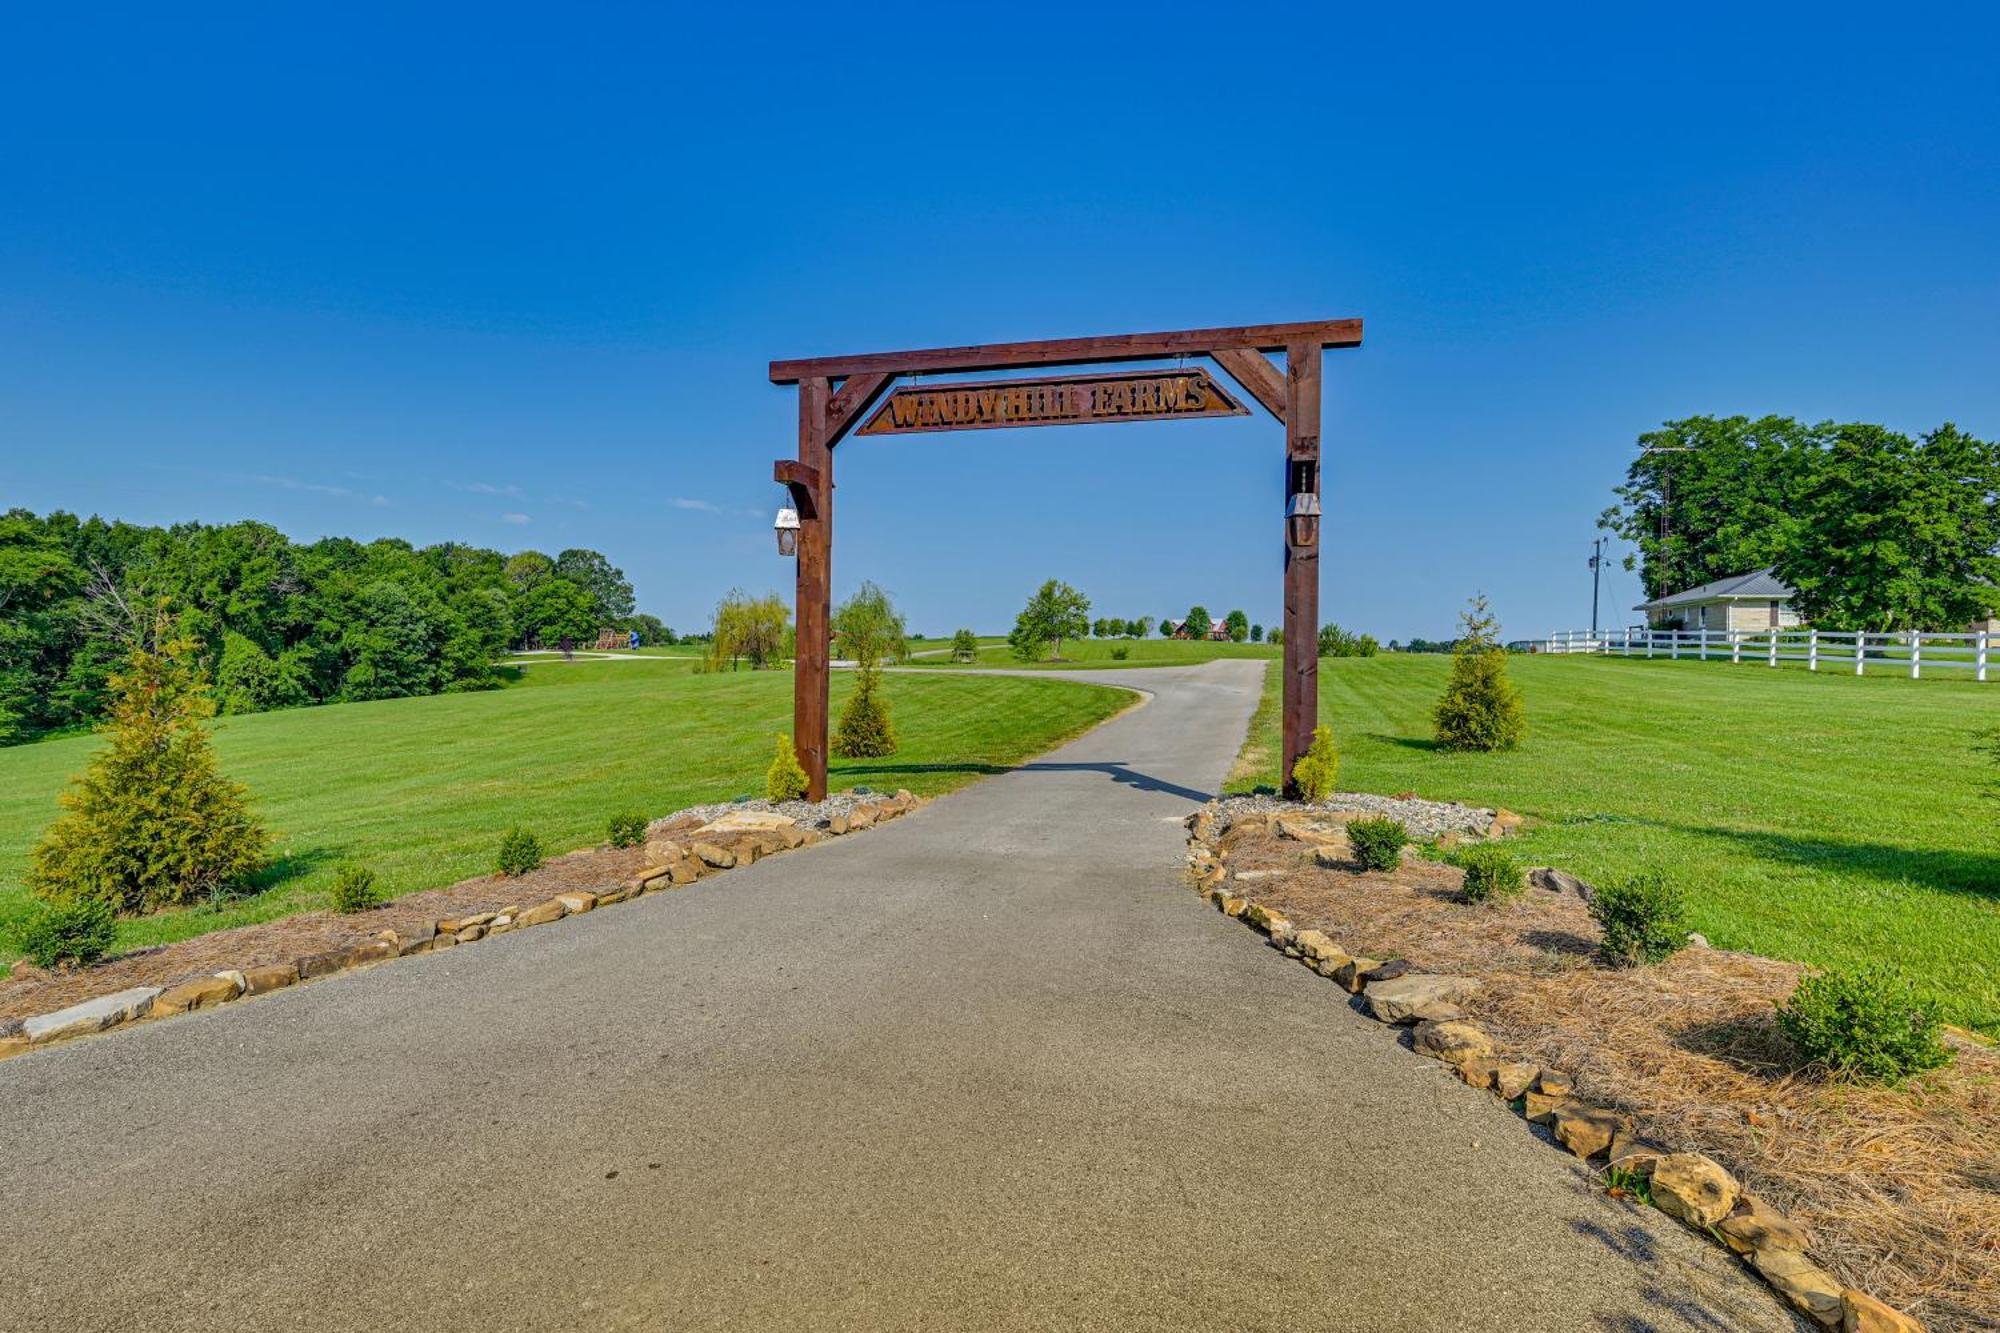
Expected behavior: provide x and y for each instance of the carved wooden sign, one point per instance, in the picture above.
(1069, 400)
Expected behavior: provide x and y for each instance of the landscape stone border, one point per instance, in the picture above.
(1687, 1186)
(680, 849)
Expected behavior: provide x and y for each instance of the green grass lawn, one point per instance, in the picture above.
(1818, 818)
(421, 789)
(1085, 654)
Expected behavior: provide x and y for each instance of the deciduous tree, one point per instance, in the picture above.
(1898, 534)
(1056, 612)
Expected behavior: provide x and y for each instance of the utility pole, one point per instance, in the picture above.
(1596, 575)
(1666, 509)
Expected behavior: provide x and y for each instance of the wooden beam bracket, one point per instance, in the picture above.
(850, 402)
(1259, 378)
(802, 481)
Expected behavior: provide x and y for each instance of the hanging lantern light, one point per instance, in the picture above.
(1302, 518)
(787, 528)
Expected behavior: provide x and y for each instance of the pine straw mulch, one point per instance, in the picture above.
(293, 937)
(1899, 1188)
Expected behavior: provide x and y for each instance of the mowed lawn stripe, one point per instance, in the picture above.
(1821, 818)
(421, 789)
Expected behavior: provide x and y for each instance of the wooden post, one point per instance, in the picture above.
(1860, 653)
(815, 591)
(1979, 658)
(1916, 654)
(1812, 650)
(1301, 685)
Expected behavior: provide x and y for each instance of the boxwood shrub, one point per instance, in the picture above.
(1865, 1023)
(1378, 843)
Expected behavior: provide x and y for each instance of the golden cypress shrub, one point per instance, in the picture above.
(786, 779)
(1318, 769)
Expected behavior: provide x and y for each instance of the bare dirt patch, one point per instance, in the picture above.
(1899, 1188)
(306, 933)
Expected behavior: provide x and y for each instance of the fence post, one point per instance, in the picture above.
(1649, 640)
(1860, 652)
(1774, 649)
(1812, 650)
(1735, 645)
(1674, 644)
(1916, 654)
(1979, 657)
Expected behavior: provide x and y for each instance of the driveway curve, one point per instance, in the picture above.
(988, 1067)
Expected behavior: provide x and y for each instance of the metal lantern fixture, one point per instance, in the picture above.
(1302, 518)
(787, 528)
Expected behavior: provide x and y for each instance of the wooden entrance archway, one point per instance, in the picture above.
(835, 392)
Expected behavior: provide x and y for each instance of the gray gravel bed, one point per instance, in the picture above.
(1424, 819)
(809, 814)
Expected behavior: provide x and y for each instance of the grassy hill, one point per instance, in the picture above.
(422, 788)
(1811, 817)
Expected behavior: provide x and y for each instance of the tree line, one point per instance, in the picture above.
(1876, 530)
(276, 623)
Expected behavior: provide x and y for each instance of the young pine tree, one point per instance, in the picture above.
(865, 731)
(1480, 708)
(152, 822)
(871, 631)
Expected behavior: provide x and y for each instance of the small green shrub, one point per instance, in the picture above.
(1491, 874)
(1119, 652)
(1644, 919)
(520, 851)
(626, 829)
(786, 779)
(1867, 1023)
(354, 889)
(1378, 843)
(75, 931)
(1318, 768)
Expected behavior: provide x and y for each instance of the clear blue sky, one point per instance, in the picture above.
(511, 274)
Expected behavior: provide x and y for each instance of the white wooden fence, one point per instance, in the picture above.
(1909, 652)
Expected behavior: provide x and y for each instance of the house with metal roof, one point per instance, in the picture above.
(1746, 603)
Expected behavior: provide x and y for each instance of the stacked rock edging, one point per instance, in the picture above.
(680, 849)
(1687, 1186)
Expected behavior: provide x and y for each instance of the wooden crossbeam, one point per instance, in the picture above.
(1075, 351)
(1259, 378)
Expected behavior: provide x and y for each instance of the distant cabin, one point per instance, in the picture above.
(1743, 603)
(1216, 630)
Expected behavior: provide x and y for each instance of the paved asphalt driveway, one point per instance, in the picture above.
(990, 1066)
